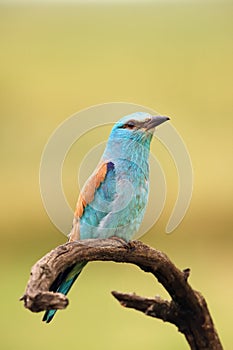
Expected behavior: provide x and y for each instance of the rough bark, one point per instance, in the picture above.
(187, 309)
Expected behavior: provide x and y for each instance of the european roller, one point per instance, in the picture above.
(112, 202)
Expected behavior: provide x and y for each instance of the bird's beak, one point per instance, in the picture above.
(155, 121)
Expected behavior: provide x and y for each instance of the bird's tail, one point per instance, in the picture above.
(62, 284)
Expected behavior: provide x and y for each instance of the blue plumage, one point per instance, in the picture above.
(114, 199)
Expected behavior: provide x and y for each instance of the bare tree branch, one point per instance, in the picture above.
(187, 309)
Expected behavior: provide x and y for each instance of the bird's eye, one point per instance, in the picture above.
(129, 125)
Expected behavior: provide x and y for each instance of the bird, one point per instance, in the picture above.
(113, 200)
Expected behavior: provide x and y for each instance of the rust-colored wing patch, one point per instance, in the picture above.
(88, 192)
(75, 232)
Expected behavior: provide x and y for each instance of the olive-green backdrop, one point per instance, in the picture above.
(58, 58)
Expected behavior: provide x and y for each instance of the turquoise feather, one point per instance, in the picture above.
(68, 278)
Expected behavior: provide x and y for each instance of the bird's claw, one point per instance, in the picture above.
(128, 245)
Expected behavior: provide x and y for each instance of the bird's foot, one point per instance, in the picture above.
(128, 245)
(119, 239)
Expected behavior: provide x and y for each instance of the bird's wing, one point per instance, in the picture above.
(93, 201)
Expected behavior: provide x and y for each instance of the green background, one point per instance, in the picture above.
(56, 59)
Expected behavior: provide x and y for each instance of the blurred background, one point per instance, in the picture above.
(60, 57)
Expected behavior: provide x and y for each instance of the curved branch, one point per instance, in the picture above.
(187, 309)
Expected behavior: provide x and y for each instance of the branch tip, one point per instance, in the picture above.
(186, 273)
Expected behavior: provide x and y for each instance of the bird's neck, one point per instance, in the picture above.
(130, 150)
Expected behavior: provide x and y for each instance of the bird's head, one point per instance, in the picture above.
(131, 136)
(138, 127)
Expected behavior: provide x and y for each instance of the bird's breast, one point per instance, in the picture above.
(119, 203)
